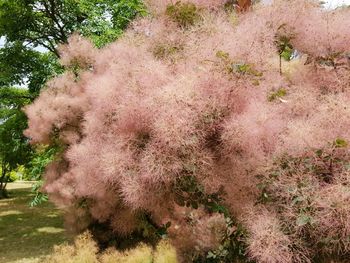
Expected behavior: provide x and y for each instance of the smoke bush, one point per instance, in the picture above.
(177, 126)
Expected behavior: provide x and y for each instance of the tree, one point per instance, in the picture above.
(25, 67)
(20, 66)
(48, 23)
(190, 128)
(14, 147)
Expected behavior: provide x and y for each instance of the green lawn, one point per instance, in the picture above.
(28, 233)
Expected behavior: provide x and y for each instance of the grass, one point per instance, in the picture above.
(28, 233)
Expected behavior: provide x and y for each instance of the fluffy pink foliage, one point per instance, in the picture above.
(311, 194)
(165, 102)
(160, 5)
(61, 105)
(74, 52)
(267, 243)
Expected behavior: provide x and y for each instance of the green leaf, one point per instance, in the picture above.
(297, 200)
(303, 219)
(340, 143)
(281, 92)
(211, 255)
(222, 55)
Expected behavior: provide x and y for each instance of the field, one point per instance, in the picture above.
(28, 233)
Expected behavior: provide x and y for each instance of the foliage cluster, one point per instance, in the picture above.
(14, 147)
(309, 194)
(185, 14)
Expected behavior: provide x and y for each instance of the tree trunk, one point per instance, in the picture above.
(243, 5)
(3, 181)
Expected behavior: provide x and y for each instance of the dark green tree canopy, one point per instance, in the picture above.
(14, 149)
(22, 66)
(47, 23)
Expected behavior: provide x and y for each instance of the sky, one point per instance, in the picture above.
(334, 3)
(329, 4)
(1, 42)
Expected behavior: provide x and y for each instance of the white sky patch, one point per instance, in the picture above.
(331, 4)
(328, 4)
(38, 48)
(41, 49)
(2, 42)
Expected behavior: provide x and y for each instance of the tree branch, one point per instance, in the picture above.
(12, 96)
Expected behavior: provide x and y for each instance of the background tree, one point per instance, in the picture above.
(14, 147)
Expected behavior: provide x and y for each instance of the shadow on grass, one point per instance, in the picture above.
(28, 232)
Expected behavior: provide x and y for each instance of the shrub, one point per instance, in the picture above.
(309, 195)
(85, 250)
(156, 150)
